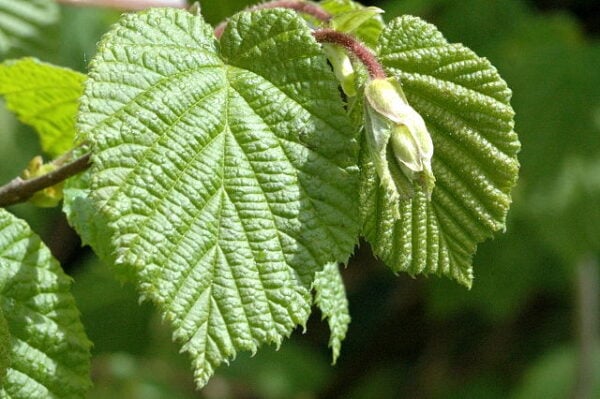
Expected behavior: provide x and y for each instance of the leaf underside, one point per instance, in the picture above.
(465, 105)
(45, 97)
(225, 172)
(49, 352)
(24, 25)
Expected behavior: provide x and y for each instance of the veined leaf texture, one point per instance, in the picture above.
(225, 172)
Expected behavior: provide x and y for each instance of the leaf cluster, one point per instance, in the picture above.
(230, 178)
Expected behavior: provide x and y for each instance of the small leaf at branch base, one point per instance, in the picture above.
(465, 105)
(227, 177)
(330, 297)
(49, 351)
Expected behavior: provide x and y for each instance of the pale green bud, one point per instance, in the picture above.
(398, 140)
(342, 67)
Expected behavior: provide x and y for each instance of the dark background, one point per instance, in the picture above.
(514, 335)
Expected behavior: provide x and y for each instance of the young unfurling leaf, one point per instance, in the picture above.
(396, 135)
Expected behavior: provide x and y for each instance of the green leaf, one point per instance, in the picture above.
(226, 178)
(351, 21)
(330, 297)
(45, 97)
(50, 355)
(345, 11)
(24, 25)
(465, 105)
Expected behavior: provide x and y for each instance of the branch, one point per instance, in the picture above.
(20, 190)
(132, 5)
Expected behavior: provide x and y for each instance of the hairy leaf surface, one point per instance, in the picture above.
(24, 24)
(49, 352)
(465, 105)
(330, 297)
(225, 172)
(45, 97)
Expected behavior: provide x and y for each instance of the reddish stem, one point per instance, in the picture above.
(297, 5)
(356, 48)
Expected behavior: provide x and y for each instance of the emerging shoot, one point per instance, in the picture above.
(397, 140)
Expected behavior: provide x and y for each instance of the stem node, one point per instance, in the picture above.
(20, 190)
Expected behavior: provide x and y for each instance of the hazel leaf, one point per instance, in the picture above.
(225, 172)
(466, 107)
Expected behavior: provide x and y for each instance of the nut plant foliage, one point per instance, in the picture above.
(230, 176)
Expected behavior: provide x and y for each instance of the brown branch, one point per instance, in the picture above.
(296, 5)
(355, 48)
(20, 190)
(132, 5)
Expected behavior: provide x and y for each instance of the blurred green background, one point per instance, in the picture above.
(516, 334)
